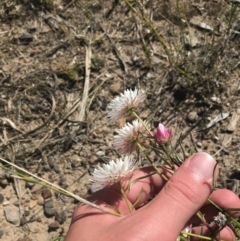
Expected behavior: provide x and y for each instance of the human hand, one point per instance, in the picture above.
(163, 218)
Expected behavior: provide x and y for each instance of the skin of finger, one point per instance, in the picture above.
(230, 200)
(85, 217)
(226, 199)
(226, 234)
(139, 191)
(143, 189)
(194, 191)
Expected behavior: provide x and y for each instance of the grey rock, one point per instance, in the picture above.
(51, 162)
(49, 212)
(49, 203)
(33, 219)
(61, 217)
(12, 215)
(48, 207)
(26, 37)
(56, 168)
(3, 183)
(1, 198)
(1, 233)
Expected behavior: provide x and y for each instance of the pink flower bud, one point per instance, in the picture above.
(163, 134)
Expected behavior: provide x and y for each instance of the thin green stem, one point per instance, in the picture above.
(159, 37)
(129, 204)
(152, 163)
(142, 122)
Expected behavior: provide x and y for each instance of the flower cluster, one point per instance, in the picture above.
(137, 136)
(130, 138)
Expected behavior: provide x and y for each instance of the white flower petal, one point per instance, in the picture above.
(127, 100)
(125, 142)
(113, 172)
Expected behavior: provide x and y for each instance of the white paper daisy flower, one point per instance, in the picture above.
(127, 138)
(115, 171)
(125, 104)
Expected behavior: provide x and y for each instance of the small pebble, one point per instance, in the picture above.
(61, 217)
(51, 162)
(73, 164)
(30, 185)
(48, 208)
(33, 219)
(192, 116)
(12, 215)
(3, 183)
(53, 226)
(56, 168)
(26, 37)
(46, 193)
(115, 88)
(199, 144)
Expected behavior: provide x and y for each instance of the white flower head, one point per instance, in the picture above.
(127, 139)
(123, 105)
(113, 172)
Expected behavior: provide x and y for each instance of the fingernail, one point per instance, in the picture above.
(203, 164)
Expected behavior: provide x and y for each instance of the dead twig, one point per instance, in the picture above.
(82, 107)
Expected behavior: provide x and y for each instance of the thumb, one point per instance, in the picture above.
(183, 195)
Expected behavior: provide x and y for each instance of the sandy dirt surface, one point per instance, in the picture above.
(51, 50)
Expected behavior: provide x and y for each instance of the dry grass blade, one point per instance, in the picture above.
(53, 186)
(81, 113)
